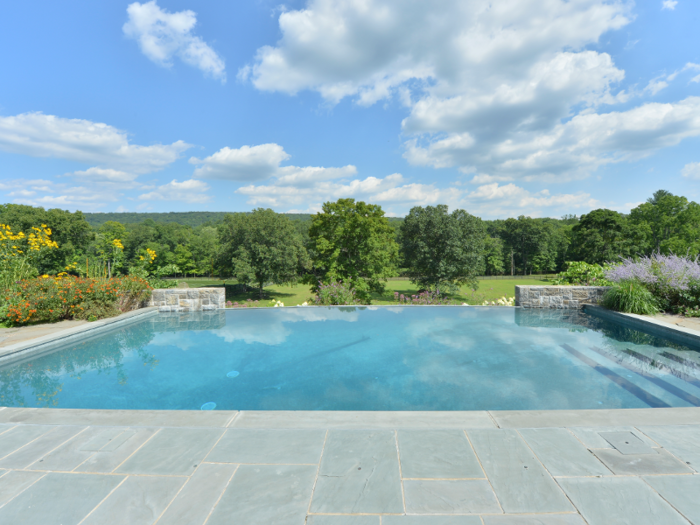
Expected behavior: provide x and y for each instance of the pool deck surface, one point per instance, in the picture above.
(60, 466)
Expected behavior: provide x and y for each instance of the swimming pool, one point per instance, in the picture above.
(368, 358)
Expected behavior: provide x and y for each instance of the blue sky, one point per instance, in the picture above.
(499, 107)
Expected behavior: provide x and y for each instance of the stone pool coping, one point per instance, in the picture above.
(339, 419)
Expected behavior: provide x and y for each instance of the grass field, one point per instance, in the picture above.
(489, 290)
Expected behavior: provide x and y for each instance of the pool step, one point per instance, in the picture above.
(624, 370)
(671, 388)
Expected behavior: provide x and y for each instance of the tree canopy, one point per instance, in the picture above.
(354, 243)
(442, 250)
(261, 247)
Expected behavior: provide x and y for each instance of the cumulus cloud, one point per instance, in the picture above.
(104, 175)
(40, 135)
(162, 36)
(367, 48)
(669, 4)
(192, 191)
(47, 193)
(691, 171)
(571, 149)
(508, 90)
(247, 163)
(258, 163)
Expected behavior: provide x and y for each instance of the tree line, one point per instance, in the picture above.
(355, 242)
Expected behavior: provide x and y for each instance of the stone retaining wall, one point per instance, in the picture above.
(188, 300)
(558, 296)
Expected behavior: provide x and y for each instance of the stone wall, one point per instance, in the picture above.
(188, 300)
(558, 296)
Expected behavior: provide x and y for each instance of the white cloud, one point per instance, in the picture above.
(40, 135)
(669, 4)
(569, 150)
(657, 84)
(246, 163)
(163, 35)
(367, 48)
(46, 193)
(193, 191)
(691, 171)
(104, 175)
(258, 163)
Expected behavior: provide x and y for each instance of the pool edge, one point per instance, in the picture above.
(290, 419)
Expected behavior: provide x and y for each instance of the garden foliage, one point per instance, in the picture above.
(335, 293)
(583, 274)
(674, 281)
(428, 297)
(632, 297)
(50, 299)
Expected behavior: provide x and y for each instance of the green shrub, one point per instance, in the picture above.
(581, 273)
(631, 297)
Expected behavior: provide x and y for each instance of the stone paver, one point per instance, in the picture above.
(591, 436)
(431, 520)
(624, 501)
(199, 496)
(521, 482)
(626, 442)
(244, 445)
(682, 441)
(450, 497)
(260, 494)
(437, 454)
(359, 474)
(681, 492)
(172, 451)
(58, 499)
(343, 520)
(561, 453)
(140, 500)
(416, 473)
(660, 462)
(535, 519)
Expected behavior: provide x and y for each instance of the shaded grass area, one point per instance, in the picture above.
(489, 290)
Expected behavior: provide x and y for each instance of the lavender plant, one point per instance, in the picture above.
(673, 280)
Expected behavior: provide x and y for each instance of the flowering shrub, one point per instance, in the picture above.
(50, 299)
(673, 280)
(503, 301)
(336, 293)
(18, 251)
(247, 304)
(426, 297)
(581, 273)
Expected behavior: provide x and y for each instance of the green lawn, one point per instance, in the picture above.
(489, 290)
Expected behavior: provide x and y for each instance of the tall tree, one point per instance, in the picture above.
(493, 256)
(261, 247)
(354, 243)
(673, 223)
(525, 238)
(443, 250)
(603, 236)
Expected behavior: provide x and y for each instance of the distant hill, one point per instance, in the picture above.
(187, 218)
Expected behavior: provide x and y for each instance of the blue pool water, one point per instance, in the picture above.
(370, 358)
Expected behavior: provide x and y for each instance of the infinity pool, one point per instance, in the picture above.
(369, 358)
